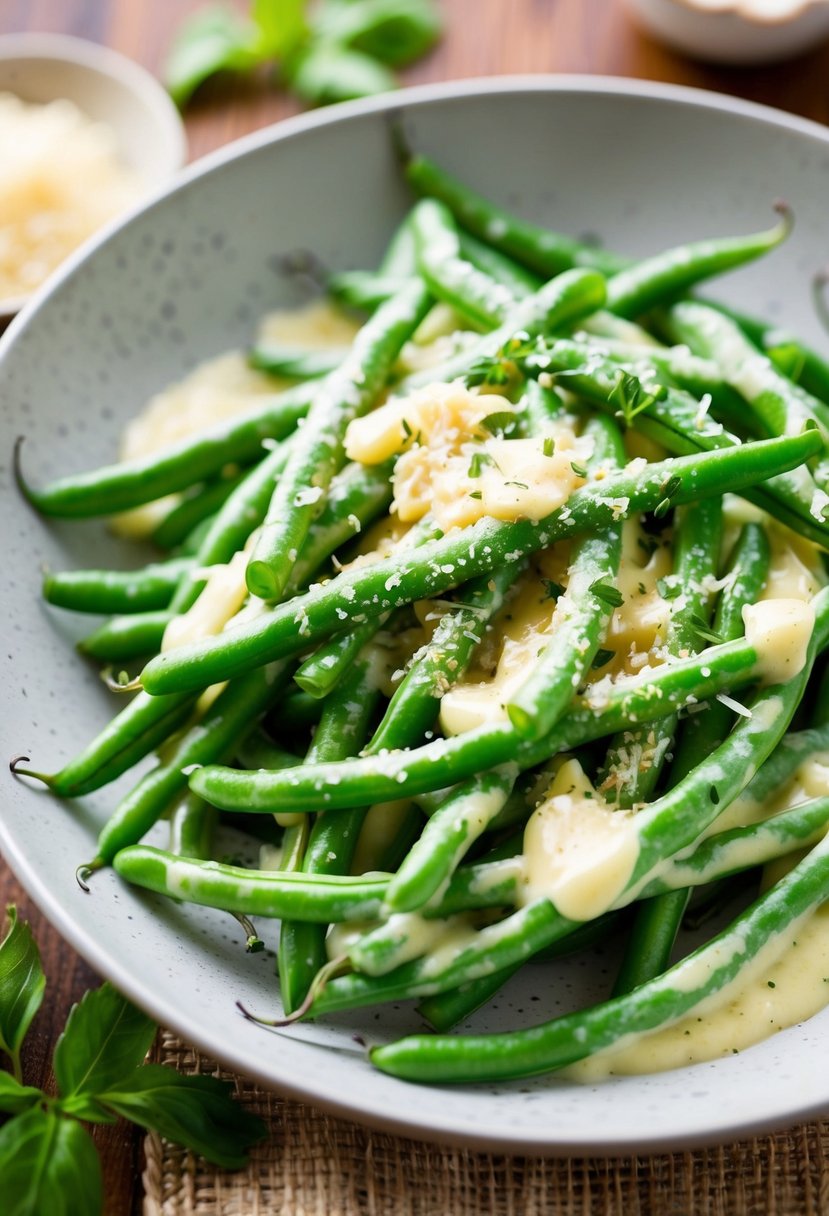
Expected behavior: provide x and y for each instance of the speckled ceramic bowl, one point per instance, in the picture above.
(643, 166)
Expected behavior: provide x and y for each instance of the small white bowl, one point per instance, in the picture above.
(735, 31)
(108, 88)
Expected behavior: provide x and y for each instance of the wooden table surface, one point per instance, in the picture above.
(483, 38)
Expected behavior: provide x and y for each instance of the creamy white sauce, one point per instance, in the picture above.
(578, 852)
(780, 631)
(786, 983)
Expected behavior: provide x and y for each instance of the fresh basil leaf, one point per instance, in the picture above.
(48, 1164)
(21, 986)
(15, 1097)
(104, 1040)
(394, 31)
(212, 40)
(282, 26)
(327, 74)
(198, 1112)
(84, 1106)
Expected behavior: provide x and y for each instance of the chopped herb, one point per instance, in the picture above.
(501, 368)
(700, 626)
(662, 508)
(522, 485)
(578, 469)
(476, 494)
(549, 446)
(552, 588)
(770, 984)
(477, 463)
(407, 430)
(668, 588)
(500, 423)
(607, 593)
(602, 658)
(643, 589)
(714, 795)
(630, 395)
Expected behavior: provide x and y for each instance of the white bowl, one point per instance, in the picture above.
(108, 88)
(644, 166)
(736, 31)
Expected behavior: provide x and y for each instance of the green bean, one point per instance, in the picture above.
(679, 423)
(449, 276)
(413, 708)
(783, 407)
(632, 291)
(115, 590)
(747, 572)
(194, 508)
(192, 827)
(546, 252)
(636, 699)
(322, 900)
(697, 536)
(668, 825)
(323, 669)
(333, 838)
(122, 638)
(447, 836)
(143, 725)
(785, 760)
(581, 617)
(503, 269)
(742, 848)
(557, 305)
(657, 919)
(120, 487)
(317, 451)
(364, 289)
(301, 364)
(461, 555)
(664, 999)
(213, 736)
(789, 355)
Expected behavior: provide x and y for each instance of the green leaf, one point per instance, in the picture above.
(327, 74)
(15, 1097)
(607, 593)
(21, 986)
(502, 422)
(48, 1167)
(198, 1112)
(104, 1040)
(282, 26)
(213, 40)
(394, 31)
(631, 396)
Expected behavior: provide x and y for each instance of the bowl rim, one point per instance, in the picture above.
(118, 69)
(403, 1122)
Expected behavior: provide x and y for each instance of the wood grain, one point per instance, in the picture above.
(483, 38)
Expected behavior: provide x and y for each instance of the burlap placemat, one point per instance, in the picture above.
(315, 1165)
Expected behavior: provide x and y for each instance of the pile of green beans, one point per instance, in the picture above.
(404, 866)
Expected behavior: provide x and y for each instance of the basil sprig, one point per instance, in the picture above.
(48, 1162)
(328, 52)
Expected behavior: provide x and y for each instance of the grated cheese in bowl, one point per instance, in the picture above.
(61, 181)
